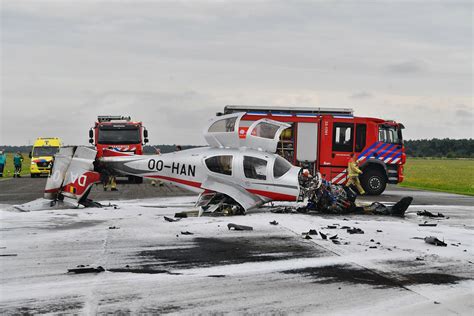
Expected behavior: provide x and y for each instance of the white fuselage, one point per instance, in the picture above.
(191, 168)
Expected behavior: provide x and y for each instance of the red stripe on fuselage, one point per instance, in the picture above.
(272, 195)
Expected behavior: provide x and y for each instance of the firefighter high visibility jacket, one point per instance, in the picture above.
(353, 170)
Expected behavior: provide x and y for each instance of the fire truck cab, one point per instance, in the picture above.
(324, 139)
(118, 133)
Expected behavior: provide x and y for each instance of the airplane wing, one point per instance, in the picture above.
(236, 192)
(226, 131)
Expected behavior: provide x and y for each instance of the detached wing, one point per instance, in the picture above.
(239, 194)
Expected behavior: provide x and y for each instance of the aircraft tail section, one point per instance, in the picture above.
(72, 175)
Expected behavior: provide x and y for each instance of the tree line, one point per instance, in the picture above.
(448, 148)
(438, 148)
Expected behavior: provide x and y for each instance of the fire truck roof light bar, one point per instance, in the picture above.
(110, 118)
(287, 110)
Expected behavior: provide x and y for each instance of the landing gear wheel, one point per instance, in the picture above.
(374, 182)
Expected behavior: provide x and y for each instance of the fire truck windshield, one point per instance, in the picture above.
(45, 151)
(111, 135)
(390, 134)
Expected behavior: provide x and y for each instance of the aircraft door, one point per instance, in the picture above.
(223, 131)
(264, 135)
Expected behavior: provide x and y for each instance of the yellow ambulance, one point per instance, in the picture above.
(42, 154)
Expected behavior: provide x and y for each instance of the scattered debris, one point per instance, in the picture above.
(428, 214)
(331, 227)
(114, 227)
(312, 232)
(181, 215)
(169, 219)
(239, 227)
(419, 259)
(86, 269)
(323, 236)
(372, 240)
(345, 227)
(9, 255)
(373, 247)
(274, 223)
(437, 303)
(426, 224)
(435, 241)
(333, 237)
(283, 210)
(335, 241)
(307, 236)
(355, 230)
(186, 233)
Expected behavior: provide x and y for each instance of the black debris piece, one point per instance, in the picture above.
(335, 241)
(379, 230)
(9, 255)
(377, 243)
(312, 232)
(437, 303)
(373, 247)
(426, 224)
(186, 233)
(169, 219)
(355, 230)
(307, 236)
(181, 215)
(428, 214)
(372, 240)
(332, 227)
(333, 237)
(455, 245)
(323, 236)
(435, 241)
(239, 227)
(114, 227)
(345, 227)
(274, 223)
(419, 259)
(86, 269)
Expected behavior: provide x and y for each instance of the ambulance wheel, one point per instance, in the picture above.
(374, 182)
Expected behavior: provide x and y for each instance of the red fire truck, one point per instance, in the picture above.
(118, 133)
(323, 139)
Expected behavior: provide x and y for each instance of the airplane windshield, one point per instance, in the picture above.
(255, 168)
(281, 167)
(45, 151)
(119, 136)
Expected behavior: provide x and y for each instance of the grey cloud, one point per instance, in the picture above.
(407, 67)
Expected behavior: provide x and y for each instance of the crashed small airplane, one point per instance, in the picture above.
(237, 169)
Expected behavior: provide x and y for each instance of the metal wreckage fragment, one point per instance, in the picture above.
(326, 197)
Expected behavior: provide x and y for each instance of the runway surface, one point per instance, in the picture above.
(154, 266)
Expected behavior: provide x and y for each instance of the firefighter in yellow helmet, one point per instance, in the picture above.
(353, 173)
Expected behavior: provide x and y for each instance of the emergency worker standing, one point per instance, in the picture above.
(354, 172)
(3, 160)
(17, 162)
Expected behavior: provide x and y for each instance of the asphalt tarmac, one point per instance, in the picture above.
(22, 190)
(198, 266)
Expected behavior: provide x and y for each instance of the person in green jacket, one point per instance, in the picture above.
(3, 160)
(17, 162)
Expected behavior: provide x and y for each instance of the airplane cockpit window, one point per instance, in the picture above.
(255, 168)
(220, 164)
(265, 130)
(280, 167)
(223, 126)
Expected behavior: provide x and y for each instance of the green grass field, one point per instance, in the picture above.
(447, 175)
(8, 170)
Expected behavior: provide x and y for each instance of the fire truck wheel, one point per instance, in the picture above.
(374, 182)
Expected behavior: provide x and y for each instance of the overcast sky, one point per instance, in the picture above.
(174, 64)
